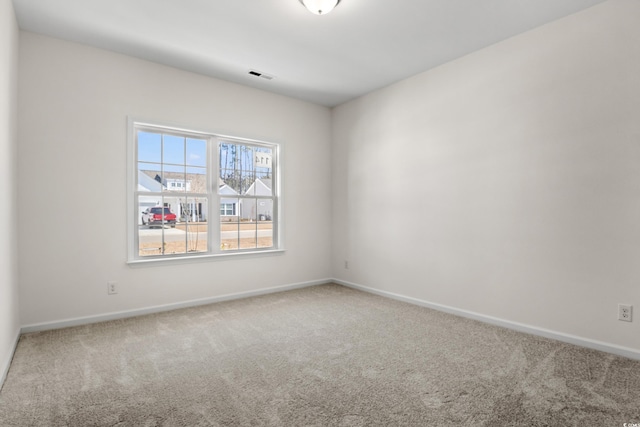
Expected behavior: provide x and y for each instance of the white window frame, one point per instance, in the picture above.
(213, 198)
(233, 209)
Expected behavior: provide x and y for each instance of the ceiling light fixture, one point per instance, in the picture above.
(320, 7)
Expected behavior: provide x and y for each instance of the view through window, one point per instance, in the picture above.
(199, 194)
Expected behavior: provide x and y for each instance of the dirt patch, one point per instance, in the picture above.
(233, 226)
(154, 248)
(226, 226)
(200, 227)
(230, 244)
(195, 243)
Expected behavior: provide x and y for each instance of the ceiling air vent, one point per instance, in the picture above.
(261, 75)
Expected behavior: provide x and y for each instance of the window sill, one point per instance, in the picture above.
(202, 258)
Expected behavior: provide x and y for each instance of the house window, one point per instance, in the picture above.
(199, 194)
(227, 209)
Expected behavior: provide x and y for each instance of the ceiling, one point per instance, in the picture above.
(361, 46)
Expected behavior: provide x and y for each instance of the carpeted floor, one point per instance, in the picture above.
(319, 356)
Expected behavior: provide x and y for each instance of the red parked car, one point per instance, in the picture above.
(153, 217)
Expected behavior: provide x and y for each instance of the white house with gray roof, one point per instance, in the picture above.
(258, 209)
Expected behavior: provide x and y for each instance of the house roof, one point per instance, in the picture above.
(260, 187)
(198, 181)
(265, 181)
(151, 181)
(147, 182)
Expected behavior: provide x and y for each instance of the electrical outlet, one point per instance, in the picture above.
(625, 312)
(112, 288)
(346, 264)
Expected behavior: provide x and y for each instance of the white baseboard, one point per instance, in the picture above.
(36, 327)
(571, 339)
(4, 368)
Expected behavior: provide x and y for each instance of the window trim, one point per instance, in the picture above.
(213, 233)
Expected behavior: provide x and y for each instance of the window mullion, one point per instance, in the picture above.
(186, 198)
(213, 174)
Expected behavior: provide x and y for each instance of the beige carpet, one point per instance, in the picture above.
(320, 356)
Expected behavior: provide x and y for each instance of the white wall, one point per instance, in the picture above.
(9, 317)
(505, 183)
(73, 107)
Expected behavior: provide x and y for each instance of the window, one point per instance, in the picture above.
(179, 177)
(227, 209)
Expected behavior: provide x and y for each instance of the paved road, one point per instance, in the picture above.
(148, 235)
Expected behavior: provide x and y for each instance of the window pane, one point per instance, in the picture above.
(265, 209)
(157, 233)
(256, 227)
(149, 177)
(173, 178)
(260, 187)
(193, 217)
(226, 158)
(149, 147)
(255, 209)
(229, 232)
(262, 160)
(196, 152)
(173, 149)
(248, 236)
(226, 189)
(196, 180)
(193, 209)
(197, 237)
(244, 235)
(174, 241)
(237, 168)
(150, 241)
(265, 234)
(150, 227)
